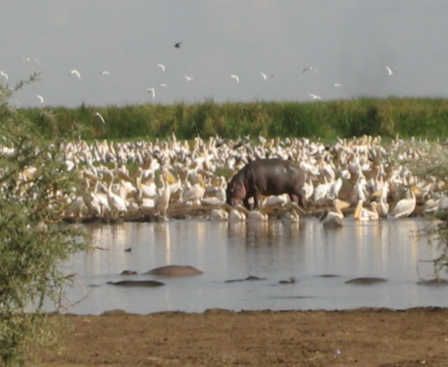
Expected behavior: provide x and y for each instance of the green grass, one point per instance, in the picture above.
(422, 117)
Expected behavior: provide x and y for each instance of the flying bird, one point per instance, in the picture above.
(389, 71)
(163, 85)
(152, 91)
(263, 75)
(178, 44)
(105, 73)
(29, 60)
(315, 96)
(162, 67)
(235, 77)
(338, 85)
(76, 73)
(188, 78)
(4, 74)
(100, 116)
(307, 68)
(40, 98)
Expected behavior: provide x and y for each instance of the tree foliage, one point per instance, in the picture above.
(34, 185)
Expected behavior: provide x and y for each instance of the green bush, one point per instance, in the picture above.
(386, 117)
(33, 181)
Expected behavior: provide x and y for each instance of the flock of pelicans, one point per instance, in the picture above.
(145, 180)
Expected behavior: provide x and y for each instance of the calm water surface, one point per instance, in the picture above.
(276, 251)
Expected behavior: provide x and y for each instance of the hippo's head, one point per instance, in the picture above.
(236, 192)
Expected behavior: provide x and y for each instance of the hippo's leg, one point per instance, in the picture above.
(300, 201)
(294, 198)
(246, 202)
(297, 198)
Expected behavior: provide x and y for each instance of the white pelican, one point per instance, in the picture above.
(152, 91)
(40, 98)
(163, 200)
(334, 218)
(162, 67)
(76, 73)
(116, 202)
(237, 215)
(188, 77)
(315, 96)
(389, 71)
(4, 74)
(235, 77)
(404, 207)
(219, 215)
(365, 215)
(100, 116)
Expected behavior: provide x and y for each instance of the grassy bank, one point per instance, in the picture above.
(422, 117)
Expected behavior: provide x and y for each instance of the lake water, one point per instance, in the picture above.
(276, 251)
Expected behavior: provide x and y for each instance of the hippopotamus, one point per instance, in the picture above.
(266, 177)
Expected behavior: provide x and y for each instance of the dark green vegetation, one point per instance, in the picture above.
(33, 179)
(328, 120)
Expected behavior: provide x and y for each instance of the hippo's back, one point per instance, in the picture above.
(274, 176)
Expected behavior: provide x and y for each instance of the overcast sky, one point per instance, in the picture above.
(345, 41)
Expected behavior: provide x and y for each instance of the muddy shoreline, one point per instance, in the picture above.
(360, 337)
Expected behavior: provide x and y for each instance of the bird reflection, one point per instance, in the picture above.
(163, 237)
(263, 233)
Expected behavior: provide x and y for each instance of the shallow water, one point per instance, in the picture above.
(276, 251)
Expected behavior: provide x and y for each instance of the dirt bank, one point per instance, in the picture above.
(416, 337)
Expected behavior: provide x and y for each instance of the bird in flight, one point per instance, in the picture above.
(389, 70)
(163, 85)
(188, 78)
(315, 96)
(152, 91)
(263, 75)
(105, 73)
(178, 44)
(4, 74)
(100, 116)
(40, 98)
(162, 67)
(76, 73)
(308, 68)
(235, 77)
(337, 85)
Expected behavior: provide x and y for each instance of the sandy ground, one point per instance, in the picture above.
(417, 337)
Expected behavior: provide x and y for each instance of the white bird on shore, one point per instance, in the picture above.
(40, 98)
(100, 116)
(235, 77)
(4, 74)
(152, 91)
(263, 75)
(76, 73)
(188, 78)
(405, 207)
(105, 73)
(162, 67)
(315, 96)
(389, 71)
